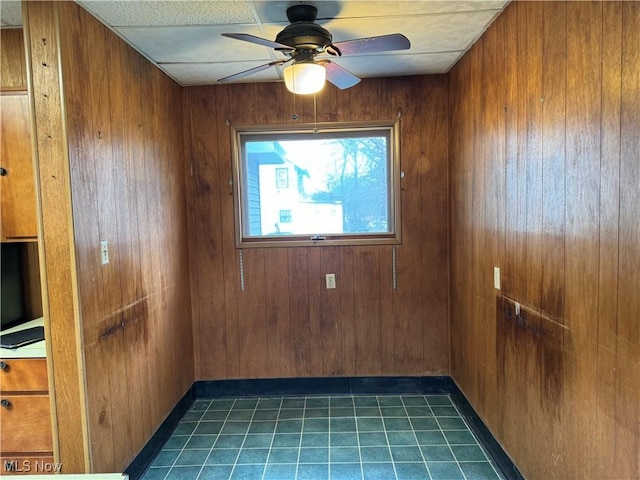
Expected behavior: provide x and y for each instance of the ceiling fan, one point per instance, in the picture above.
(303, 40)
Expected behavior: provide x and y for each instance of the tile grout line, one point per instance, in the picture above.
(355, 420)
(235, 463)
(477, 441)
(217, 435)
(426, 465)
(446, 439)
(384, 429)
(304, 414)
(329, 440)
(185, 443)
(273, 437)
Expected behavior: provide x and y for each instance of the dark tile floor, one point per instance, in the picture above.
(403, 437)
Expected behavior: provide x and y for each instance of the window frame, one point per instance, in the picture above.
(394, 237)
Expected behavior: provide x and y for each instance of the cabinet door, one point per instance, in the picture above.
(17, 183)
(25, 424)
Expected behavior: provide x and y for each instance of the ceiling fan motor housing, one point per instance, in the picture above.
(303, 32)
(305, 35)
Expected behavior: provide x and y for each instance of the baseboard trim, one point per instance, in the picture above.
(482, 432)
(143, 460)
(430, 385)
(322, 386)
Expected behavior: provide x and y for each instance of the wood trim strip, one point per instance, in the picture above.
(55, 224)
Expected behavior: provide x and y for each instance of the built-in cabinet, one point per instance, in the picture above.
(26, 445)
(17, 188)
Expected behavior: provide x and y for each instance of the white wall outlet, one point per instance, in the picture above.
(104, 252)
(331, 280)
(496, 278)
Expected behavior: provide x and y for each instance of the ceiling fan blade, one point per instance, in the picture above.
(382, 43)
(251, 71)
(339, 76)
(259, 40)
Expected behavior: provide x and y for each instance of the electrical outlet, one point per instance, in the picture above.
(104, 252)
(331, 280)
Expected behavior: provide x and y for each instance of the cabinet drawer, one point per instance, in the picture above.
(25, 425)
(27, 465)
(24, 375)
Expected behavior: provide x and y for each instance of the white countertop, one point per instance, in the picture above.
(34, 350)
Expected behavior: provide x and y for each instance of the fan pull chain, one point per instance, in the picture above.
(315, 115)
(294, 116)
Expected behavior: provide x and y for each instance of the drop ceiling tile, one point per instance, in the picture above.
(427, 33)
(275, 11)
(140, 13)
(207, 73)
(398, 65)
(184, 37)
(10, 13)
(195, 44)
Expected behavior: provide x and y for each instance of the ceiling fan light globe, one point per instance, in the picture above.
(304, 78)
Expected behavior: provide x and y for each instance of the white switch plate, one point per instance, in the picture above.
(104, 252)
(496, 278)
(331, 280)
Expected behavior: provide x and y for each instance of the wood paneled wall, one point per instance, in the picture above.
(285, 323)
(545, 184)
(121, 123)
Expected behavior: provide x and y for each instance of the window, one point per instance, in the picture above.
(305, 185)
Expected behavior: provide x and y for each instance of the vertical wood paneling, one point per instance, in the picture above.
(128, 254)
(368, 331)
(252, 323)
(506, 348)
(582, 227)
(278, 321)
(490, 237)
(208, 262)
(125, 164)
(387, 108)
(299, 311)
(315, 286)
(567, 369)
(532, 205)
(476, 183)
(286, 323)
(435, 253)
(458, 177)
(408, 298)
(553, 128)
(628, 328)
(347, 312)
(609, 250)
(332, 341)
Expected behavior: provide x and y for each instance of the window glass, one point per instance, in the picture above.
(304, 186)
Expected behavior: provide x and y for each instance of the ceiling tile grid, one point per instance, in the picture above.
(183, 38)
